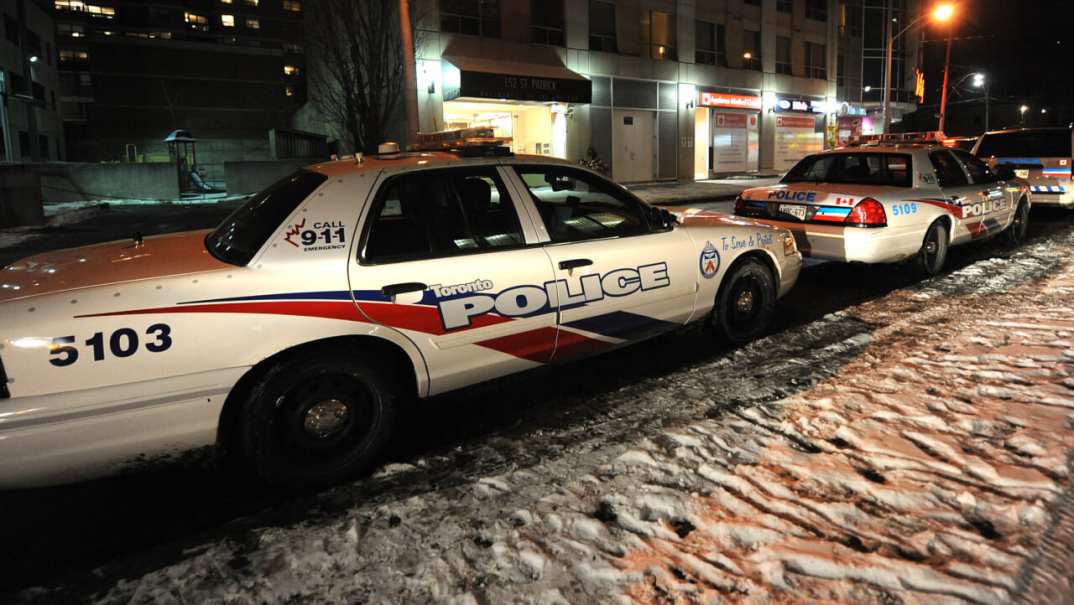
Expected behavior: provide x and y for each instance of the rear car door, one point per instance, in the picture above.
(443, 258)
(617, 277)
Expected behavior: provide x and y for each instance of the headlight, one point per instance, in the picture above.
(790, 247)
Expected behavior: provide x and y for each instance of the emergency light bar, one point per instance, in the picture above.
(462, 139)
(897, 138)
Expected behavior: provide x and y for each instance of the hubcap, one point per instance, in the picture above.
(744, 303)
(325, 418)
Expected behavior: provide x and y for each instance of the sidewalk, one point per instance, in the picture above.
(911, 449)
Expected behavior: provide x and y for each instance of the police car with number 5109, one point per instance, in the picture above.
(291, 334)
(892, 198)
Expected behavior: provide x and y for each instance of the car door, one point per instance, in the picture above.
(617, 277)
(997, 204)
(958, 191)
(443, 258)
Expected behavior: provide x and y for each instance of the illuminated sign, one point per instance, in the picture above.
(801, 105)
(724, 99)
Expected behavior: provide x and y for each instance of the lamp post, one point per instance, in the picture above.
(940, 14)
(1022, 111)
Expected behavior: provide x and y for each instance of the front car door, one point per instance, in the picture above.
(617, 277)
(443, 258)
(958, 191)
(998, 203)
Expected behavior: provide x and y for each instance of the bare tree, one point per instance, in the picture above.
(357, 78)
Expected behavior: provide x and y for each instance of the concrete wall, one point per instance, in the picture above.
(251, 177)
(20, 196)
(84, 181)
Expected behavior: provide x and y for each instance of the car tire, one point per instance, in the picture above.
(318, 420)
(746, 302)
(933, 254)
(1016, 231)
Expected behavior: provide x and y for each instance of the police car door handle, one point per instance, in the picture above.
(574, 263)
(397, 289)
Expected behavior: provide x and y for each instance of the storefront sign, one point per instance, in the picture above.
(520, 88)
(729, 120)
(724, 99)
(796, 122)
(802, 105)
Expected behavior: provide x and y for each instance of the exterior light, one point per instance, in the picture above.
(1023, 109)
(1043, 110)
(978, 80)
(747, 55)
(943, 12)
(867, 88)
(33, 58)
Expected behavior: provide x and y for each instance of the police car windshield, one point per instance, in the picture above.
(1026, 144)
(242, 234)
(862, 168)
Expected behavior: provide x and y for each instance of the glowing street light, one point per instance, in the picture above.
(747, 55)
(867, 88)
(942, 13)
(978, 80)
(1023, 108)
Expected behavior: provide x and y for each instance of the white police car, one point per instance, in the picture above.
(891, 202)
(291, 333)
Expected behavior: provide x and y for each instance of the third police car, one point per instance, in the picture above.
(891, 200)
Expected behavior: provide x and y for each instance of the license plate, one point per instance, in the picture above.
(1022, 174)
(794, 210)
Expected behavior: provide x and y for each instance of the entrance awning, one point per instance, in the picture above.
(483, 78)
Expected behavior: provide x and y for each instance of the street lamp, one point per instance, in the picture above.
(1022, 112)
(867, 88)
(940, 14)
(980, 81)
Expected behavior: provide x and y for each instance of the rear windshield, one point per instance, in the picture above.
(242, 234)
(885, 169)
(1026, 144)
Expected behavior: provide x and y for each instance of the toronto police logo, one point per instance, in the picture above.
(710, 261)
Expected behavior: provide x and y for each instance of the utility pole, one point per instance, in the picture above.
(410, 93)
(988, 101)
(946, 75)
(887, 68)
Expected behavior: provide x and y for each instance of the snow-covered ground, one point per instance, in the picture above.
(905, 450)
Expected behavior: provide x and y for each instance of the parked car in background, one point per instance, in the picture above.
(1041, 156)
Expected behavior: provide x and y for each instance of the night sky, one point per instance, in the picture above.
(1027, 49)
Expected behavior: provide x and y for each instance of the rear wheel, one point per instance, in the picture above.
(933, 254)
(317, 421)
(746, 302)
(1016, 232)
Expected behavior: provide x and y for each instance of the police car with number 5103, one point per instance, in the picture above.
(892, 198)
(291, 334)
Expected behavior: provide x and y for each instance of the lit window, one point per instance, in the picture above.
(105, 32)
(289, 91)
(68, 55)
(195, 19)
(292, 5)
(253, 24)
(104, 12)
(290, 70)
(227, 20)
(252, 2)
(225, 1)
(70, 5)
(74, 30)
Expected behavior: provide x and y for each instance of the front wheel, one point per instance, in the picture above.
(1016, 232)
(746, 302)
(933, 254)
(318, 420)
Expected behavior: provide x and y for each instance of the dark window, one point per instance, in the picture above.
(884, 169)
(473, 17)
(658, 35)
(752, 2)
(705, 43)
(721, 45)
(1026, 144)
(242, 234)
(24, 144)
(785, 6)
(576, 205)
(850, 19)
(548, 22)
(602, 26)
(817, 10)
(42, 146)
(841, 70)
(816, 61)
(11, 30)
(48, 52)
(38, 92)
(979, 172)
(751, 50)
(948, 171)
(440, 213)
(783, 55)
(52, 93)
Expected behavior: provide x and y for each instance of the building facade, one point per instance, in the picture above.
(658, 89)
(30, 125)
(131, 71)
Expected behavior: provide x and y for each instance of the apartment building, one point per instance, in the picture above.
(131, 71)
(659, 89)
(30, 125)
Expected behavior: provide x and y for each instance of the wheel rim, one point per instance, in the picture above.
(323, 418)
(746, 298)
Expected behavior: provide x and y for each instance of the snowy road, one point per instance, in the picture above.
(895, 442)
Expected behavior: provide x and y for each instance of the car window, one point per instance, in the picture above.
(576, 205)
(885, 169)
(1026, 144)
(949, 172)
(439, 213)
(979, 172)
(242, 234)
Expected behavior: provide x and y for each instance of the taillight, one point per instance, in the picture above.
(868, 213)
